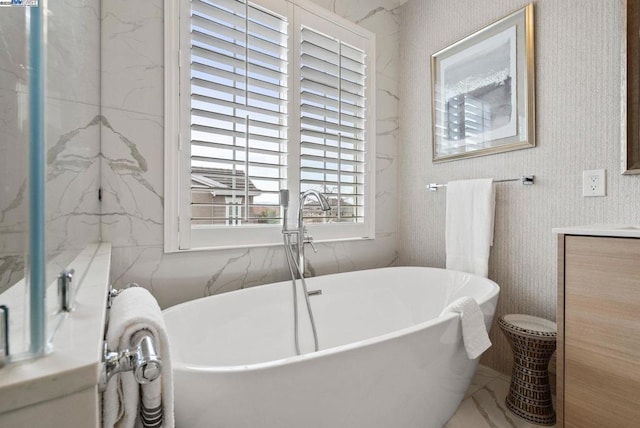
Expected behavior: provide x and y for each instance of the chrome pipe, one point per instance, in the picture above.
(143, 360)
(147, 365)
(65, 278)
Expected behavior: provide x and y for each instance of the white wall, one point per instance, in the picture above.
(578, 128)
(132, 169)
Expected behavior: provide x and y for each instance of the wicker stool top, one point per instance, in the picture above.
(528, 325)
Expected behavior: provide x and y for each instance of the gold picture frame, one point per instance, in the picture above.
(630, 117)
(483, 91)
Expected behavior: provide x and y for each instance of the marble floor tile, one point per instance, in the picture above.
(484, 405)
(483, 376)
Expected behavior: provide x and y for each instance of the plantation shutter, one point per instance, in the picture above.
(332, 108)
(238, 96)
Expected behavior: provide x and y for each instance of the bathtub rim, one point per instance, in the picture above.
(295, 359)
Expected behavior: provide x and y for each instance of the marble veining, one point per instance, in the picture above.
(11, 270)
(392, 12)
(15, 202)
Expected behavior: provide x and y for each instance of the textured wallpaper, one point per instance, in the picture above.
(578, 128)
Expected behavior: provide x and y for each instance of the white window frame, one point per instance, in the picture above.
(178, 231)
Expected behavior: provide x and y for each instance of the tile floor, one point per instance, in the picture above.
(484, 406)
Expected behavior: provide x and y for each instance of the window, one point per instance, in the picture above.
(260, 96)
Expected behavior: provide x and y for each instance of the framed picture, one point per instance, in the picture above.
(482, 87)
(631, 88)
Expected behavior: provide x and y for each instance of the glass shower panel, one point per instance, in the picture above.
(22, 177)
(50, 125)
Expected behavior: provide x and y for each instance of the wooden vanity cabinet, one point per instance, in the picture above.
(598, 332)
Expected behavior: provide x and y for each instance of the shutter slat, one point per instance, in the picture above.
(330, 68)
(311, 36)
(333, 103)
(255, 73)
(239, 120)
(228, 11)
(331, 172)
(265, 55)
(235, 162)
(319, 76)
(329, 126)
(354, 66)
(233, 63)
(329, 183)
(311, 85)
(215, 75)
(246, 108)
(331, 161)
(233, 12)
(238, 149)
(307, 134)
(235, 134)
(309, 109)
(207, 173)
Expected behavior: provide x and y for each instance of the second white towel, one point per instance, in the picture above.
(474, 333)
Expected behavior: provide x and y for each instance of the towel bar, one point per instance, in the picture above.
(142, 359)
(525, 179)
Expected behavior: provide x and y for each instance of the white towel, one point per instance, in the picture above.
(474, 332)
(469, 225)
(133, 310)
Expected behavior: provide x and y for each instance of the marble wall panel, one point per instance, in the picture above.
(13, 146)
(73, 179)
(72, 129)
(132, 56)
(13, 48)
(132, 180)
(73, 51)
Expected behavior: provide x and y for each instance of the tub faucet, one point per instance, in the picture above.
(300, 231)
(303, 238)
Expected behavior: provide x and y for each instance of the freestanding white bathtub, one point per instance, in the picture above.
(387, 358)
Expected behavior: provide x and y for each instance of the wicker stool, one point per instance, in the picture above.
(533, 341)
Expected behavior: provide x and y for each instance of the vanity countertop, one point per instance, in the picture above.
(73, 364)
(613, 230)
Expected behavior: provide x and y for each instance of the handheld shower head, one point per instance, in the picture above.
(284, 198)
(284, 205)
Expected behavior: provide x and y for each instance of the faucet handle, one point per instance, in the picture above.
(309, 240)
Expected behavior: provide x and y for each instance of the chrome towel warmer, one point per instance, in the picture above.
(143, 359)
(525, 179)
